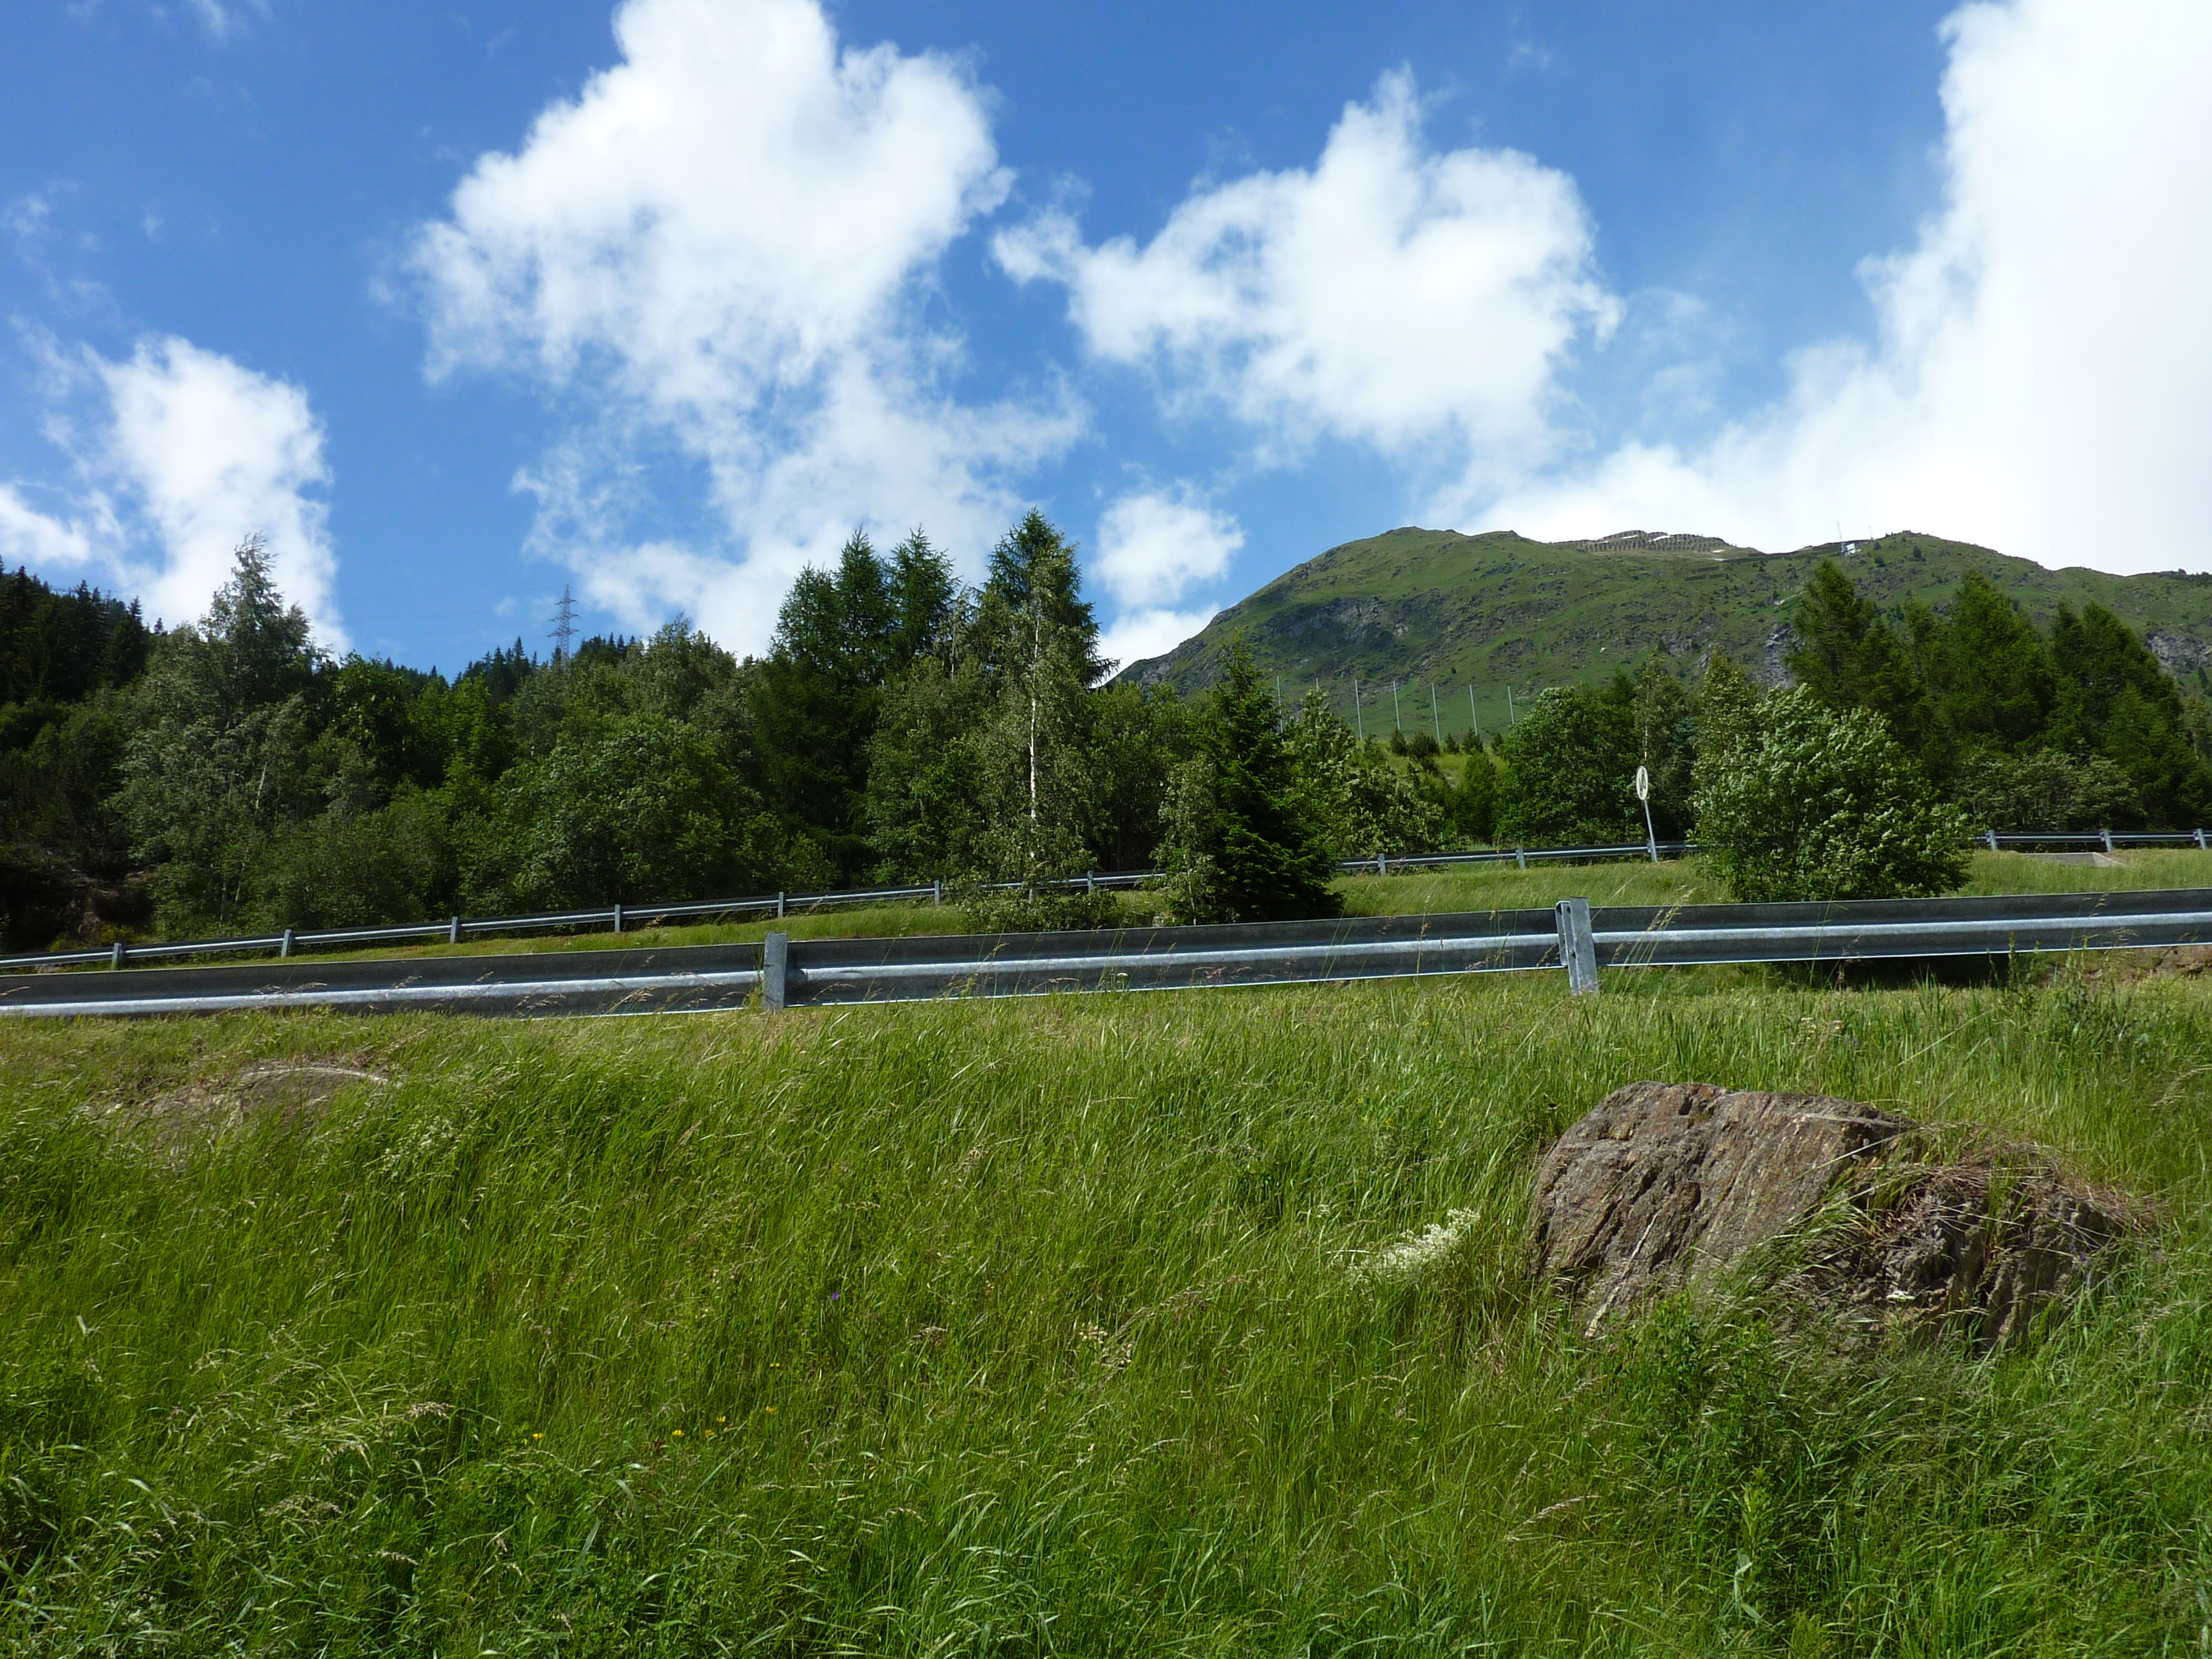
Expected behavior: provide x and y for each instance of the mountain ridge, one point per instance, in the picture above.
(1442, 612)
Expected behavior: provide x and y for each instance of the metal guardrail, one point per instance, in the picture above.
(620, 917)
(784, 972)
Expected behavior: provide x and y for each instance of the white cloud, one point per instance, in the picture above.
(1139, 635)
(722, 249)
(2042, 378)
(1153, 546)
(222, 21)
(1417, 302)
(185, 453)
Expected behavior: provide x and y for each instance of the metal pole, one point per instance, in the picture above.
(779, 907)
(115, 957)
(618, 918)
(1650, 840)
(1473, 718)
(1397, 724)
(775, 971)
(1435, 718)
(284, 949)
(453, 931)
(937, 892)
(1358, 719)
(1577, 949)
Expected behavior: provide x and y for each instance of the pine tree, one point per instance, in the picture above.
(1243, 847)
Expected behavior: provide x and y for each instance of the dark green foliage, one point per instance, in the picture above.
(1570, 769)
(2046, 789)
(1241, 845)
(1849, 657)
(1981, 698)
(1990, 678)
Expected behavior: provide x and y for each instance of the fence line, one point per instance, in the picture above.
(620, 917)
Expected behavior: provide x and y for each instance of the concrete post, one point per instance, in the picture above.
(1520, 856)
(453, 931)
(284, 949)
(779, 907)
(115, 957)
(1577, 949)
(775, 971)
(618, 918)
(2108, 843)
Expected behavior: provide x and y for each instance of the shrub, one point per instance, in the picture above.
(2046, 789)
(1571, 770)
(1814, 804)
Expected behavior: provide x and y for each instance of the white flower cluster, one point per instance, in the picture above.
(1405, 1260)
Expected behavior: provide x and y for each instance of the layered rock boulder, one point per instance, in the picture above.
(1857, 1212)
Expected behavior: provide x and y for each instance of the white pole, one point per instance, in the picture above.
(1435, 718)
(1475, 719)
(1358, 719)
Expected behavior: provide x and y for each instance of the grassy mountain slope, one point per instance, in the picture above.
(1433, 607)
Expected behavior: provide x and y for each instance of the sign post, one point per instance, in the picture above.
(1644, 794)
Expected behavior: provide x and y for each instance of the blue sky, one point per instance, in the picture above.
(457, 307)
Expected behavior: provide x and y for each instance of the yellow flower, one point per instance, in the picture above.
(536, 1436)
(679, 1434)
(771, 1411)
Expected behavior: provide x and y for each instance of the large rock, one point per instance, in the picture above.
(1662, 1182)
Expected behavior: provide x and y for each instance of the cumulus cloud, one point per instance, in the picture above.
(1153, 544)
(1417, 302)
(2041, 378)
(719, 255)
(1138, 635)
(178, 453)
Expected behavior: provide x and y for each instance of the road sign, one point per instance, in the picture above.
(1643, 783)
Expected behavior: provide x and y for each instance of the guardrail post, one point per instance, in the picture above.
(1577, 949)
(1382, 864)
(618, 918)
(776, 971)
(453, 931)
(778, 916)
(284, 947)
(1091, 881)
(2200, 841)
(936, 890)
(2108, 843)
(1993, 841)
(1521, 855)
(115, 957)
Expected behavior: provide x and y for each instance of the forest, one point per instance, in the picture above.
(903, 726)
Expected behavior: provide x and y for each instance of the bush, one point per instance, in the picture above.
(1571, 770)
(2046, 789)
(1814, 804)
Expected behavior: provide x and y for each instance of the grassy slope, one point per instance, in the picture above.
(1026, 1328)
(1429, 605)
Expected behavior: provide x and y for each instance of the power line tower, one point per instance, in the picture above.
(564, 622)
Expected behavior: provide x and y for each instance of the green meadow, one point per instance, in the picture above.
(1049, 1328)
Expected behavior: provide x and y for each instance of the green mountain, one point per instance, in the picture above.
(1439, 613)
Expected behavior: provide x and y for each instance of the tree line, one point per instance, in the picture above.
(903, 726)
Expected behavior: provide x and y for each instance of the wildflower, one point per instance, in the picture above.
(679, 1434)
(536, 1436)
(1415, 1255)
(771, 1411)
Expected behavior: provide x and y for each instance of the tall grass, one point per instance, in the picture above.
(1041, 1328)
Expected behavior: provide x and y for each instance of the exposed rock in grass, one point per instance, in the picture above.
(1856, 1211)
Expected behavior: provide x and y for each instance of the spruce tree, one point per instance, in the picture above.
(1272, 863)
